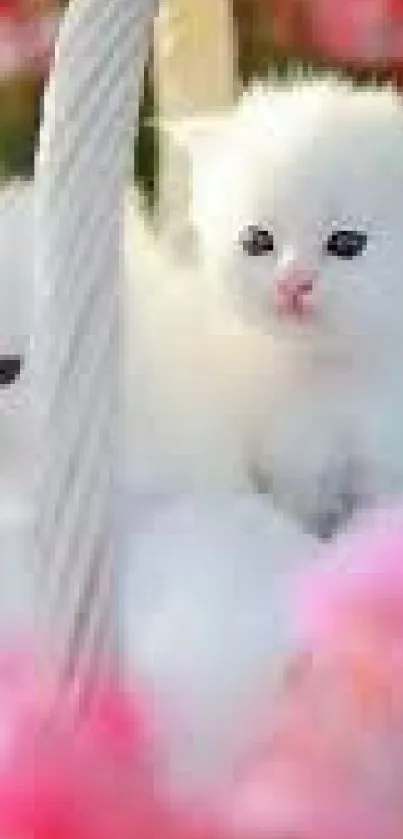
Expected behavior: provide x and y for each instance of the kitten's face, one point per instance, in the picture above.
(297, 201)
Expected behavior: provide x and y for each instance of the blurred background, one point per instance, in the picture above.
(363, 38)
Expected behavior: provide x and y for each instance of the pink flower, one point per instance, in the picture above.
(363, 31)
(26, 43)
(330, 763)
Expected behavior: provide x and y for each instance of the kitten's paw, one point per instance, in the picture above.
(320, 505)
(336, 506)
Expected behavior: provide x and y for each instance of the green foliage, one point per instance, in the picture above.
(19, 121)
(20, 114)
(15, 151)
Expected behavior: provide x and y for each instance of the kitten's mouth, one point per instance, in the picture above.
(300, 320)
(295, 308)
(296, 316)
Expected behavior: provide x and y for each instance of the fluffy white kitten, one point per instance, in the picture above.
(296, 205)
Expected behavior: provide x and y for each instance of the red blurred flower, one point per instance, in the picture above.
(368, 32)
(26, 37)
(9, 8)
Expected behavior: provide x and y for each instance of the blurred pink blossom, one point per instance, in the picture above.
(26, 43)
(362, 31)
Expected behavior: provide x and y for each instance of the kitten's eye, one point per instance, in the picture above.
(256, 240)
(10, 369)
(346, 244)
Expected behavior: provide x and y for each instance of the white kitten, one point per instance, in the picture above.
(296, 201)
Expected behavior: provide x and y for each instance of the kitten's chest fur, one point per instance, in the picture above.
(327, 442)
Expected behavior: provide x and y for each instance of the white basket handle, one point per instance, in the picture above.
(90, 115)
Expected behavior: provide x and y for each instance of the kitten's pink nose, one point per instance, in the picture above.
(294, 291)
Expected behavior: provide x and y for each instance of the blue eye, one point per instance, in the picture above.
(346, 244)
(256, 240)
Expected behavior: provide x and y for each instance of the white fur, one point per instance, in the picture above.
(203, 607)
(309, 402)
(184, 359)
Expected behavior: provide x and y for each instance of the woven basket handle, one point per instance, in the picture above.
(90, 116)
